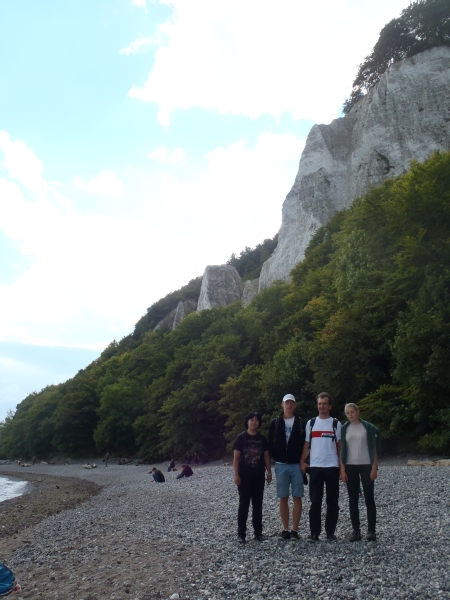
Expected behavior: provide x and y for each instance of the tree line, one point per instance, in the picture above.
(423, 25)
(366, 317)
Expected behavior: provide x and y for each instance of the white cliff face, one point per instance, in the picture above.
(182, 310)
(405, 116)
(250, 291)
(221, 286)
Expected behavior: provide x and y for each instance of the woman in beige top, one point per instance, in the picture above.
(360, 449)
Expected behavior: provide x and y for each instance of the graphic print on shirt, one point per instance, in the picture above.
(324, 434)
(253, 451)
(288, 430)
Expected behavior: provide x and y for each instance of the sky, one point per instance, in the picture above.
(142, 140)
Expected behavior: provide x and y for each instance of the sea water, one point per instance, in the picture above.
(11, 488)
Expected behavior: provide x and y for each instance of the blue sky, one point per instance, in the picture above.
(142, 140)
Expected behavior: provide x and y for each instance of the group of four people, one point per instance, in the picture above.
(349, 452)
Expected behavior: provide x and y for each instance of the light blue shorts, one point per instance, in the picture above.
(289, 476)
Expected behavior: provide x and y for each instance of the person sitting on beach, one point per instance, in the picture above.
(171, 465)
(186, 471)
(157, 475)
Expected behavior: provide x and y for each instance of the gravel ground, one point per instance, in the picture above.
(141, 540)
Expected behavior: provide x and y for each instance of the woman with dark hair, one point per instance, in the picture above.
(251, 460)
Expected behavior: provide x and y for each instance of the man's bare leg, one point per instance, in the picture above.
(297, 513)
(284, 512)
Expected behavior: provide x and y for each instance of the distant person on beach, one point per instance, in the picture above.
(106, 459)
(157, 475)
(323, 442)
(171, 466)
(250, 462)
(286, 440)
(186, 471)
(188, 458)
(361, 447)
(33, 460)
(195, 458)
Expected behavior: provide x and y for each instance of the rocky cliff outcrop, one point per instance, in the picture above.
(250, 291)
(405, 116)
(183, 310)
(221, 286)
(173, 319)
(167, 321)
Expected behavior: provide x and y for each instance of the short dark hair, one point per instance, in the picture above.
(249, 416)
(325, 395)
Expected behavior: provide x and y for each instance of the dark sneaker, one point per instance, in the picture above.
(259, 537)
(355, 536)
(371, 536)
(294, 535)
(241, 539)
(312, 538)
(286, 535)
(331, 537)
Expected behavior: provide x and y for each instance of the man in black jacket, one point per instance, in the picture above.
(286, 440)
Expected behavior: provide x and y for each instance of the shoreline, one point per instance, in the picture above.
(134, 538)
(47, 495)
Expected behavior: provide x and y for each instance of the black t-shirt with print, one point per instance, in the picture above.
(252, 448)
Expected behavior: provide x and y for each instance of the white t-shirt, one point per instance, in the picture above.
(323, 449)
(288, 425)
(357, 447)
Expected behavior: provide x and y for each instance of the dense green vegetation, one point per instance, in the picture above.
(423, 25)
(366, 317)
(250, 261)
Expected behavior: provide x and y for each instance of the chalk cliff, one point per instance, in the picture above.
(405, 116)
(221, 286)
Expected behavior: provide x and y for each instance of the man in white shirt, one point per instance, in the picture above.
(323, 443)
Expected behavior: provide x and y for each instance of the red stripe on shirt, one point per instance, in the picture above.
(320, 433)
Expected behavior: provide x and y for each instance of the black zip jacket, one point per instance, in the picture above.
(286, 453)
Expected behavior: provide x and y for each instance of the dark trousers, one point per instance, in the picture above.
(354, 472)
(250, 490)
(318, 477)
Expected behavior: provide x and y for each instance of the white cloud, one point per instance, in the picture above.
(106, 184)
(247, 58)
(163, 155)
(22, 163)
(94, 273)
(139, 45)
(141, 3)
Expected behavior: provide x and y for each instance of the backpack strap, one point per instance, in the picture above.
(335, 422)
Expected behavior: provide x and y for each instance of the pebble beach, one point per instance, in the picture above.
(112, 533)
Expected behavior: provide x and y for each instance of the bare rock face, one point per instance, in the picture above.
(167, 321)
(183, 309)
(405, 116)
(250, 291)
(221, 286)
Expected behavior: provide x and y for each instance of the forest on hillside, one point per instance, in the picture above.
(366, 317)
(424, 24)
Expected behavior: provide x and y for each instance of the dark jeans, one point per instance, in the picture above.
(354, 472)
(250, 490)
(318, 477)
